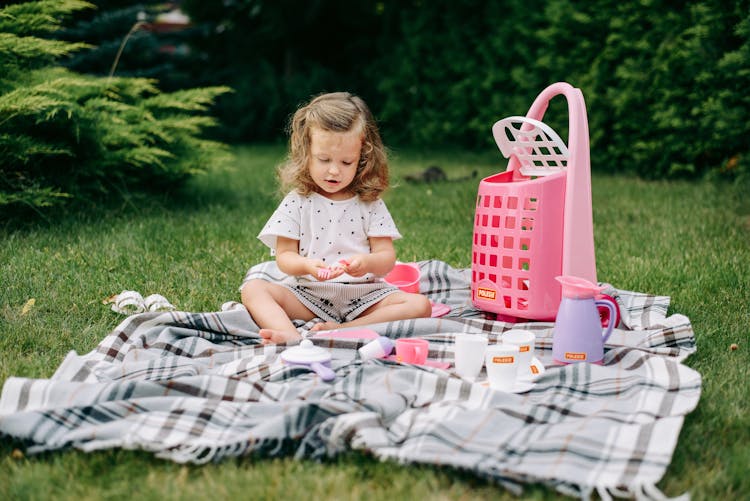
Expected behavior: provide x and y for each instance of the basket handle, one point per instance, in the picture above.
(578, 127)
(578, 257)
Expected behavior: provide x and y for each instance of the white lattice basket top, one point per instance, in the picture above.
(538, 148)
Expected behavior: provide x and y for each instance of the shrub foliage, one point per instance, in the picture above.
(665, 82)
(66, 135)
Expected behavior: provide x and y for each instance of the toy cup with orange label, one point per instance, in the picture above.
(502, 361)
(525, 341)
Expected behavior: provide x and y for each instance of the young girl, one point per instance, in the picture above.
(332, 234)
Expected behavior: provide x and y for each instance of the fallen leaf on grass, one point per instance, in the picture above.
(27, 307)
(110, 299)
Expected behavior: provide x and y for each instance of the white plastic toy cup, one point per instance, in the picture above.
(525, 341)
(377, 348)
(469, 354)
(502, 366)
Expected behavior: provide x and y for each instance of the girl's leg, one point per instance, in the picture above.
(272, 306)
(397, 306)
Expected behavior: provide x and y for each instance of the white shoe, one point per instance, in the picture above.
(127, 303)
(157, 302)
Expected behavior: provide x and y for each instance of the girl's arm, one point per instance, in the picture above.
(379, 261)
(290, 262)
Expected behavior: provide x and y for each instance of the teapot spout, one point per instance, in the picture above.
(578, 288)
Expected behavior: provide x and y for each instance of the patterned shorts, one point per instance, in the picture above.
(340, 301)
(331, 301)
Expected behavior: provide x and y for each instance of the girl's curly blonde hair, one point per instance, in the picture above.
(335, 112)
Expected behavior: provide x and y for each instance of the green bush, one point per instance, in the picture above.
(665, 82)
(276, 54)
(64, 135)
(668, 91)
(153, 50)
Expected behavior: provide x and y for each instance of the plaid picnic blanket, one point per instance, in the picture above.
(198, 387)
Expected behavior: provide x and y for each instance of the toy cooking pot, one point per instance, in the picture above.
(306, 354)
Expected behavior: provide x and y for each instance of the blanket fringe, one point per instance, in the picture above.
(573, 491)
(198, 454)
(642, 492)
(202, 454)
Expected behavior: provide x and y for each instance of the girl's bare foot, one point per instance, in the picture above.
(271, 336)
(325, 326)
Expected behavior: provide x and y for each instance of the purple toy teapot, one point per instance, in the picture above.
(578, 335)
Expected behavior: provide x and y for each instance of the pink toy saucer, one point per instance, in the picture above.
(347, 334)
(439, 309)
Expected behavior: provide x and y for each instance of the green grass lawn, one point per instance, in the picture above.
(690, 241)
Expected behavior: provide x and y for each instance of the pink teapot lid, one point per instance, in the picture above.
(578, 288)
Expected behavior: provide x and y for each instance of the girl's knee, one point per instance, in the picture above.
(252, 288)
(421, 305)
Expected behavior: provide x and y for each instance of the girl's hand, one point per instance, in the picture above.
(356, 266)
(328, 273)
(325, 272)
(312, 266)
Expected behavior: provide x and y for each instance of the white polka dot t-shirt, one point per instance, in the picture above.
(329, 230)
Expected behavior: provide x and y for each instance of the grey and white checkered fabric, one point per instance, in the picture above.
(198, 387)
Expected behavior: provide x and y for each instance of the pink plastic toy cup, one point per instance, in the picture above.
(412, 350)
(405, 276)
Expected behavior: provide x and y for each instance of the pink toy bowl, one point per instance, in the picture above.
(405, 276)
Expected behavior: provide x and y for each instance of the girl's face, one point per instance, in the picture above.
(334, 157)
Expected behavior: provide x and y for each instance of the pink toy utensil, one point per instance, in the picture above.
(578, 335)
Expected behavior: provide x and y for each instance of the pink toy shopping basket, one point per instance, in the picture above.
(533, 222)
